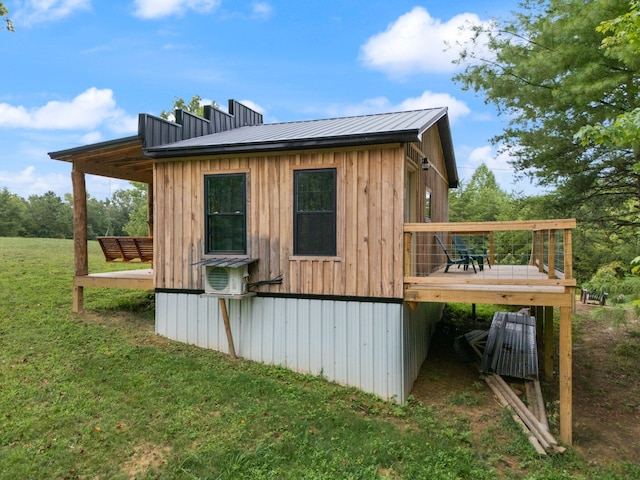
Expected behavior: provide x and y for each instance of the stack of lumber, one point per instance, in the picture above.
(532, 419)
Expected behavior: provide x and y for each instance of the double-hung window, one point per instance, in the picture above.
(314, 206)
(226, 213)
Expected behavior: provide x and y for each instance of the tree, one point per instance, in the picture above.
(50, 217)
(3, 15)
(481, 200)
(195, 106)
(12, 214)
(548, 73)
(623, 43)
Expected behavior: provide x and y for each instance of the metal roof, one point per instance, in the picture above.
(345, 131)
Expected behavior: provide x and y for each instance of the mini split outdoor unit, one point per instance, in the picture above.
(225, 280)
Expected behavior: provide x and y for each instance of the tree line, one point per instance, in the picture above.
(51, 216)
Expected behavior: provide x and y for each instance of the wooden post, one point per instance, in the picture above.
(227, 326)
(565, 380)
(407, 254)
(80, 256)
(547, 353)
(552, 254)
(150, 208)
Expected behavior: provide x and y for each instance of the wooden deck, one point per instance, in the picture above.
(142, 279)
(501, 285)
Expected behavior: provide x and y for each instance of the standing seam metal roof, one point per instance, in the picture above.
(399, 126)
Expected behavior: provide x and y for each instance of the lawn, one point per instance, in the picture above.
(99, 395)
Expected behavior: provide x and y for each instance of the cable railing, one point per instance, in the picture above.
(535, 252)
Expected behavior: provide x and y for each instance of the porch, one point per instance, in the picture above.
(525, 263)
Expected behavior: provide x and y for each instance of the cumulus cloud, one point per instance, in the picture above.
(28, 182)
(36, 11)
(457, 108)
(91, 109)
(418, 43)
(152, 9)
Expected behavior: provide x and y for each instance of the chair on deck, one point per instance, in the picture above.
(463, 251)
(464, 260)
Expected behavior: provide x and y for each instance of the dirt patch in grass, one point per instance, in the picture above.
(145, 458)
(606, 389)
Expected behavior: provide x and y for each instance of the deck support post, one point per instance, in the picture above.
(80, 255)
(565, 382)
(547, 352)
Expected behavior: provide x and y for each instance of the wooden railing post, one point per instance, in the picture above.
(408, 236)
(568, 254)
(552, 254)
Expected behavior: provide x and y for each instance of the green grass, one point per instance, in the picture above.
(98, 395)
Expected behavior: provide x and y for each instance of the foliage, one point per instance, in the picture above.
(481, 200)
(546, 71)
(195, 106)
(3, 15)
(13, 210)
(622, 43)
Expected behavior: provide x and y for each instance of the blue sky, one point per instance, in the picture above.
(79, 71)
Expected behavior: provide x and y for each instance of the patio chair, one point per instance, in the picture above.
(465, 260)
(479, 258)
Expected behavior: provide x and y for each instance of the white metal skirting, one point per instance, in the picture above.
(377, 347)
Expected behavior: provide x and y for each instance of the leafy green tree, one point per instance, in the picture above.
(548, 74)
(12, 214)
(138, 224)
(4, 12)
(195, 106)
(481, 200)
(49, 217)
(622, 42)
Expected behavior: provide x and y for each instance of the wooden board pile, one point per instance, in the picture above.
(487, 346)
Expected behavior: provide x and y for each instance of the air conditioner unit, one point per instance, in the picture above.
(225, 280)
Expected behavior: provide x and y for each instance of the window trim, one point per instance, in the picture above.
(208, 216)
(295, 247)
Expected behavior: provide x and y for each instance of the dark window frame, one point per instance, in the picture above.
(310, 241)
(217, 219)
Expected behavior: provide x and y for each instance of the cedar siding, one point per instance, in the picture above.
(370, 218)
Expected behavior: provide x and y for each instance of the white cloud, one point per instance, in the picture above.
(163, 8)
(261, 10)
(27, 182)
(418, 43)
(89, 110)
(35, 11)
(457, 108)
(253, 106)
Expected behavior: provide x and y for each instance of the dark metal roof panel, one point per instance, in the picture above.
(227, 262)
(399, 126)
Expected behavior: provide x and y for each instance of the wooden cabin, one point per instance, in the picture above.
(310, 244)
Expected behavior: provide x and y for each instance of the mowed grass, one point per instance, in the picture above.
(99, 395)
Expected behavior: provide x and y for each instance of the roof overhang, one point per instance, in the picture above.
(122, 158)
(175, 151)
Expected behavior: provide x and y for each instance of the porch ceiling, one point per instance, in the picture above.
(122, 159)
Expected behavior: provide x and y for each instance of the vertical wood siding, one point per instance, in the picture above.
(353, 343)
(369, 223)
(370, 216)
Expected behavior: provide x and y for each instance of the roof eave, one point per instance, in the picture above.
(294, 144)
(67, 154)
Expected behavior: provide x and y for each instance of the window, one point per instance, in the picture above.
(427, 205)
(226, 219)
(314, 207)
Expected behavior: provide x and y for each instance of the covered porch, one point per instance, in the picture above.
(524, 263)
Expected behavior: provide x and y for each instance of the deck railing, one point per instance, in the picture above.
(536, 252)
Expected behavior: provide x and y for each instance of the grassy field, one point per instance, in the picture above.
(99, 395)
